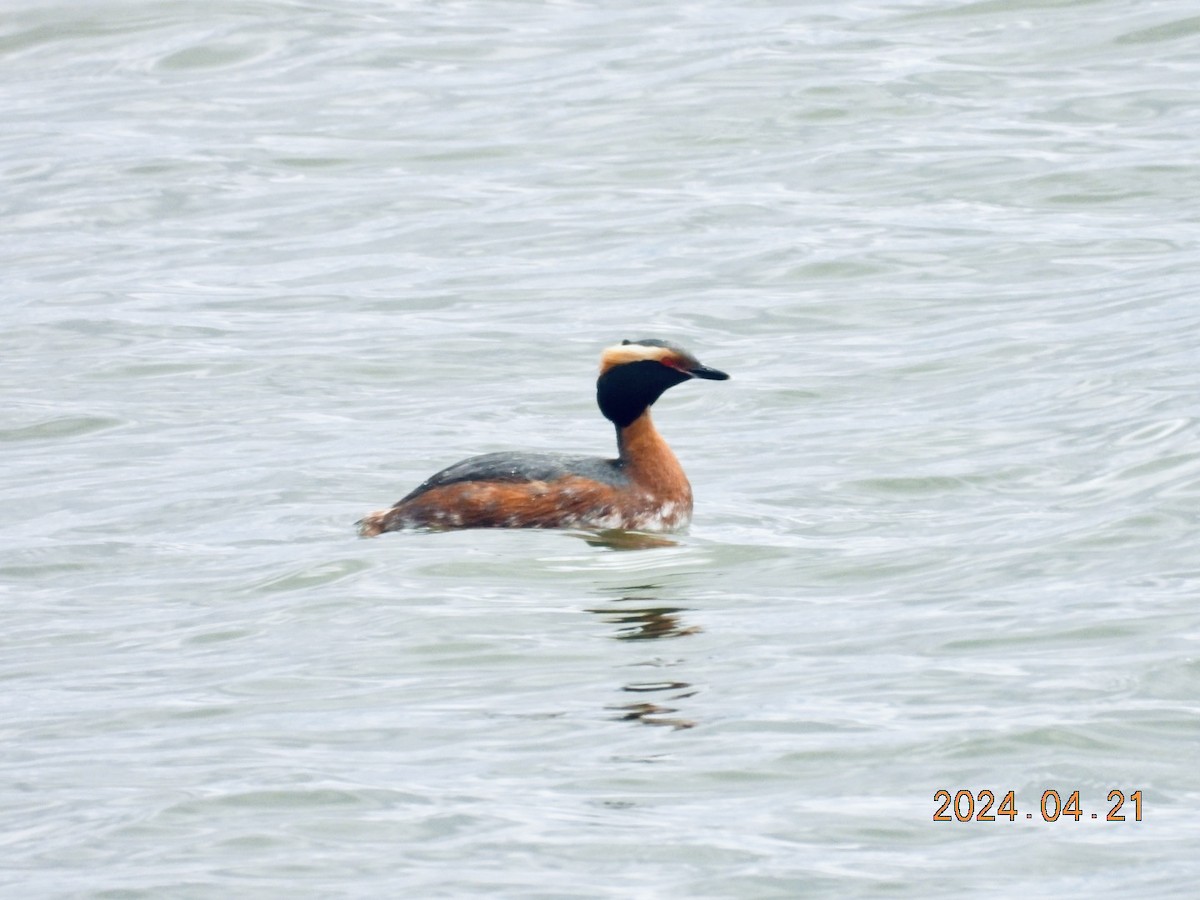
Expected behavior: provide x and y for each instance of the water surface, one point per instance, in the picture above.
(269, 264)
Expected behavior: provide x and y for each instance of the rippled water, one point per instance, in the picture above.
(269, 264)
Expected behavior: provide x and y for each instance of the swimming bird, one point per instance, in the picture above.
(643, 489)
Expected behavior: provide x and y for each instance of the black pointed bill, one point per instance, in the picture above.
(699, 371)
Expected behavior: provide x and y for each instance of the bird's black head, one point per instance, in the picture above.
(634, 374)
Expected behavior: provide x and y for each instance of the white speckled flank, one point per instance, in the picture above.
(668, 517)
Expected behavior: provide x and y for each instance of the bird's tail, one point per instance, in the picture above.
(372, 524)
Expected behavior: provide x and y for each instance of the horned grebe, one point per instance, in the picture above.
(643, 489)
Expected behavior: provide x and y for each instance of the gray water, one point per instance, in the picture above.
(266, 265)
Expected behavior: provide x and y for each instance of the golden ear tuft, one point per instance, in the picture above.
(629, 352)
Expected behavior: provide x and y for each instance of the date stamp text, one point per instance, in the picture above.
(981, 806)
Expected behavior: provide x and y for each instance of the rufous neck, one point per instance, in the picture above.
(638, 438)
(648, 460)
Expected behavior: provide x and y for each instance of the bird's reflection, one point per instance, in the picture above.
(617, 539)
(649, 713)
(652, 714)
(650, 620)
(647, 623)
